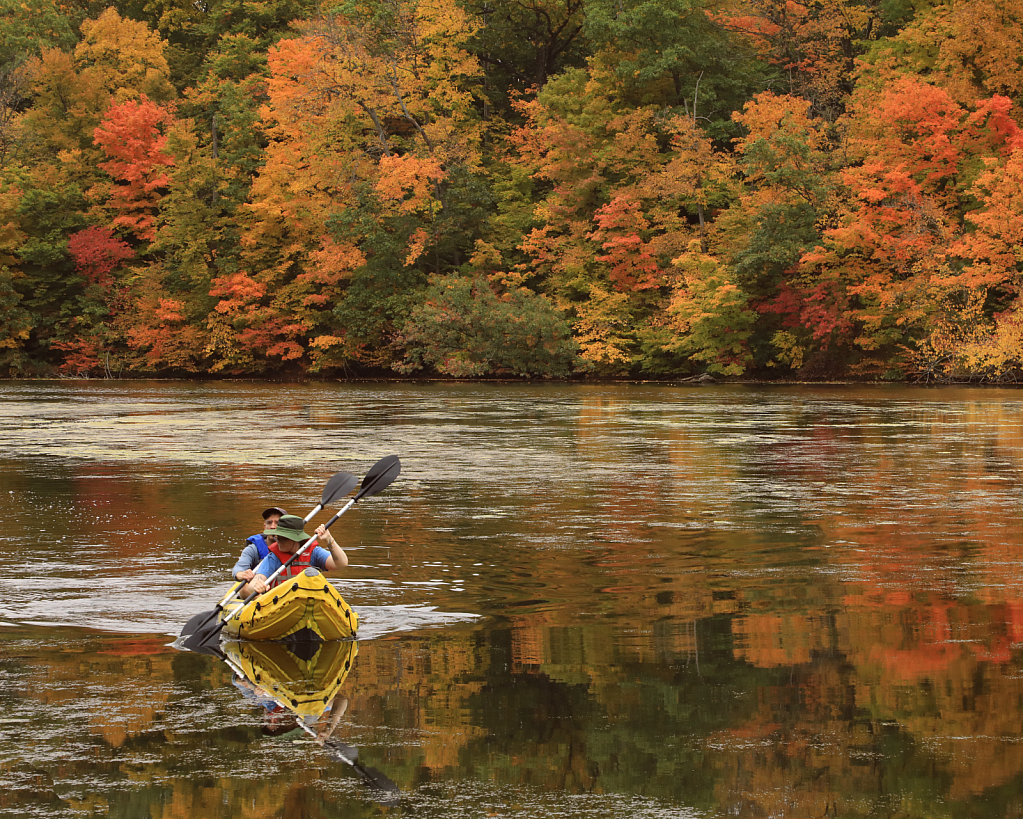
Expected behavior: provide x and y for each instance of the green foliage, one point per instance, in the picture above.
(712, 316)
(896, 14)
(227, 139)
(522, 45)
(15, 325)
(376, 302)
(463, 329)
(30, 27)
(511, 217)
(674, 55)
(50, 285)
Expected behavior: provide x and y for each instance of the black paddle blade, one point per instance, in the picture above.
(380, 476)
(198, 643)
(385, 791)
(340, 484)
(336, 749)
(197, 622)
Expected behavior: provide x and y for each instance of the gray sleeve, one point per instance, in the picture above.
(248, 560)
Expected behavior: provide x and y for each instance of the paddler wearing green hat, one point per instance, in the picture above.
(290, 536)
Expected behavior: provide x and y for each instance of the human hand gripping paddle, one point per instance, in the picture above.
(340, 483)
(380, 476)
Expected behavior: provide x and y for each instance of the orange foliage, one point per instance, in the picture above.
(408, 181)
(165, 335)
(970, 48)
(620, 225)
(137, 157)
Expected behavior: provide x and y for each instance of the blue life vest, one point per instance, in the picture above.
(260, 543)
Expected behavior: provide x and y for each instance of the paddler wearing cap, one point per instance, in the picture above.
(290, 538)
(257, 547)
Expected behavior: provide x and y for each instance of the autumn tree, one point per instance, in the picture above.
(375, 139)
(124, 57)
(710, 315)
(463, 328)
(137, 160)
(523, 43)
(97, 252)
(569, 145)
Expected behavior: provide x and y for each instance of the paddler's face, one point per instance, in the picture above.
(270, 522)
(287, 545)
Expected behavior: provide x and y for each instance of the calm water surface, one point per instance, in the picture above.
(576, 601)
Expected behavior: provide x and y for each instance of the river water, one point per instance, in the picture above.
(575, 601)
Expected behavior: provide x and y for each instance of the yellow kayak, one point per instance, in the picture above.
(306, 607)
(304, 685)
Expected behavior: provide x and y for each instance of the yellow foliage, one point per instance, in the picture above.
(966, 346)
(486, 256)
(789, 349)
(710, 316)
(222, 347)
(602, 329)
(124, 57)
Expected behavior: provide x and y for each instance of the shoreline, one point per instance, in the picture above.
(697, 381)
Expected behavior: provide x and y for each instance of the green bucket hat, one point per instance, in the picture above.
(289, 526)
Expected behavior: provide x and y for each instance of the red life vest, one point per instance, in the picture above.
(299, 565)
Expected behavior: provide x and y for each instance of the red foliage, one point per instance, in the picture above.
(81, 357)
(97, 252)
(821, 307)
(620, 225)
(276, 336)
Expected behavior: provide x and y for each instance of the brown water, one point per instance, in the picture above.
(576, 601)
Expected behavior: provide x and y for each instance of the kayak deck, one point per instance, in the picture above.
(305, 607)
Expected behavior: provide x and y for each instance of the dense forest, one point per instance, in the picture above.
(525, 188)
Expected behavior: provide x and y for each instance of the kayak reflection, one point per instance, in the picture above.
(298, 685)
(302, 676)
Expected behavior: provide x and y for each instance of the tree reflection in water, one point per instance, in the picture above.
(614, 601)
